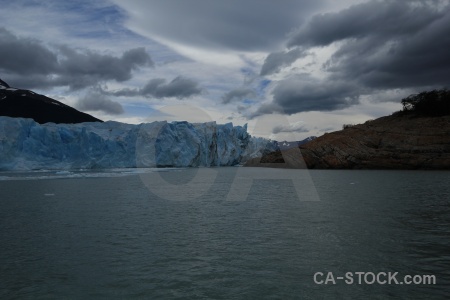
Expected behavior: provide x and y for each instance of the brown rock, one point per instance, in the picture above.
(400, 141)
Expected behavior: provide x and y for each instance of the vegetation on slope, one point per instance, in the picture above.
(428, 103)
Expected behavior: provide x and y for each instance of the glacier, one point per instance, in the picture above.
(27, 145)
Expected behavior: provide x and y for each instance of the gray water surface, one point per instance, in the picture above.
(111, 237)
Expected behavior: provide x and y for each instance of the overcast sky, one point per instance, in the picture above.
(288, 68)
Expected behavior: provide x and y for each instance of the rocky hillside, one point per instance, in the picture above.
(400, 141)
(18, 103)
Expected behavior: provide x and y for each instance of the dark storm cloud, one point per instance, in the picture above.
(180, 87)
(299, 94)
(382, 45)
(419, 60)
(29, 64)
(233, 24)
(275, 61)
(385, 19)
(82, 69)
(303, 93)
(25, 56)
(386, 44)
(95, 101)
(237, 95)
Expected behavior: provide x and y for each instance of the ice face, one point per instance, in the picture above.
(256, 147)
(27, 145)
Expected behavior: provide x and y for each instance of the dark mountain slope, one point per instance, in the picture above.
(18, 103)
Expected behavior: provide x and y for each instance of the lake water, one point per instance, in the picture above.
(190, 234)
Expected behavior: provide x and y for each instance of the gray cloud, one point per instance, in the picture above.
(25, 56)
(30, 81)
(180, 87)
(384, 19)
(417, 61)
(298, 127)
(82, 69)
(27, 63)
(95, 101)
(383, 45)
(237, 95)
(298, 94)
(303, 93)
(275, 61)
(265, 109)
(233, 24)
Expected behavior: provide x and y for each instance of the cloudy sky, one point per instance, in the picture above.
(288, 68)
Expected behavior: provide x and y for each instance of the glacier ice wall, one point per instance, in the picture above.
(257, 147)
(27, 145)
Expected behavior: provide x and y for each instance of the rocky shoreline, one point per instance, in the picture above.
(401, 141)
